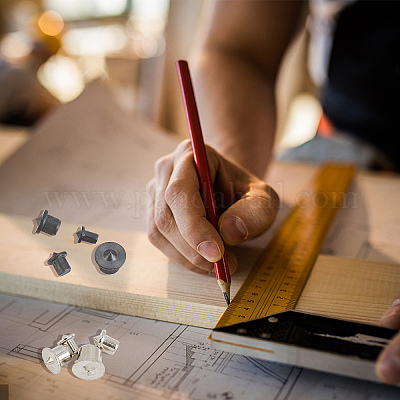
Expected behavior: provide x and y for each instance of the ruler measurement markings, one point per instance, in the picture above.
(272, 264)
(266, 298)
(272, 295)
(284, 266)
(287, 250)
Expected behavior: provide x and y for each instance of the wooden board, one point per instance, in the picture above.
(88, 162)
(348, 288)
(150, 286)
(147, 284)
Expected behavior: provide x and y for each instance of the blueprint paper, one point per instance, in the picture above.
(155, 360)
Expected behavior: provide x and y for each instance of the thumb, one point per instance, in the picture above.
(250, 216)
(391, 318)
(388, 365)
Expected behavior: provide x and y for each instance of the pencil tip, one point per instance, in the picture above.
(226, 299)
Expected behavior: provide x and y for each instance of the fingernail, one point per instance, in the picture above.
(388, 369)
(210, 251)
(233, 230)
(396, 302)
(390, 318)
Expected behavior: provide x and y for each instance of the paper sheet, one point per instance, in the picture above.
(155, 360)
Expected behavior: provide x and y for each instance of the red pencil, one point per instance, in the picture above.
(203, 171)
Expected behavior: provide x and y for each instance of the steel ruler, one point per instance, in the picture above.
(277, 279)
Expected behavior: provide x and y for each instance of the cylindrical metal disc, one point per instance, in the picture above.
(89, 365)
(55, 358)
(110, 256)
(88, 370)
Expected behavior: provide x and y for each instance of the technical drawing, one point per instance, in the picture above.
(155, 360)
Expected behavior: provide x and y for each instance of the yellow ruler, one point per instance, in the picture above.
(280, 274)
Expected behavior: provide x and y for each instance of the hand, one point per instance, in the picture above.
(388, 363)
(177, 223)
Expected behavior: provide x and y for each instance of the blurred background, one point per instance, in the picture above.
(56, 47)
(66, 44)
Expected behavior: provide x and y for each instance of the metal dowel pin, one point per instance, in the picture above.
(68, 340)
(89, 364)
(47, 223)
(110, 256)
(61, 354)
(85, 236)
(56, 357)
(60, 263)
(106, 343)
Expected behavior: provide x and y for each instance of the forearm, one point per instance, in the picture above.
(237, 108)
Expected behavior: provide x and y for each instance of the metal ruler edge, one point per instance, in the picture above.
(278, 277)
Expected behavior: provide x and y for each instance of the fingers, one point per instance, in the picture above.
(159, 241)
(184, 201)
(391, 318)
(388, 364)
(177, 222)
(249, 216)
(253, 204)
(172, 244)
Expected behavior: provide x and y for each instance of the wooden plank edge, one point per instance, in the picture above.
(181, 312)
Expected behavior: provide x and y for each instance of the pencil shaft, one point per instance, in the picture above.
(196, 137)
(201, 162)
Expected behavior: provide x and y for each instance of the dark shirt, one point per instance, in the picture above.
(362, 95)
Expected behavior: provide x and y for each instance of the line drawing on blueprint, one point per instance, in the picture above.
(155, 360)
